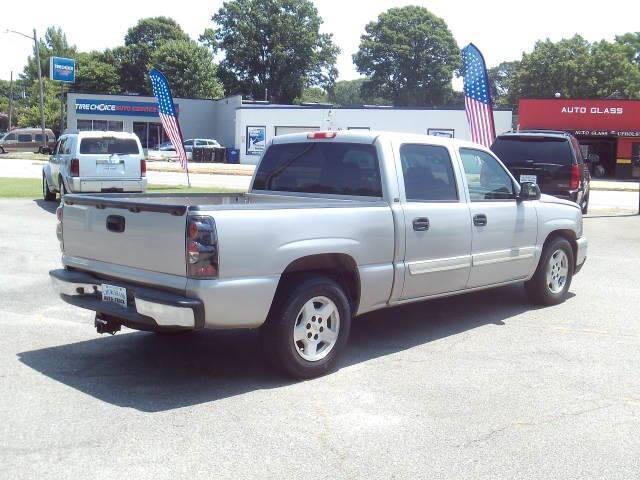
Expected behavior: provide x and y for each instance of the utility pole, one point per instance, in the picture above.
(37, 47)
(61, 108)
(10, 100)
(44, 135)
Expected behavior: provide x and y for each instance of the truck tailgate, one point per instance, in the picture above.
(124, 234)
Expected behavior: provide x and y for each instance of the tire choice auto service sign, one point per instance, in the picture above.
(619, 118)
(116, 107)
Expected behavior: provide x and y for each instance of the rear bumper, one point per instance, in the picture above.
(581, 253)
(147, 308)
(81, 185)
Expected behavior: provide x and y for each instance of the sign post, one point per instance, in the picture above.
(62, 70)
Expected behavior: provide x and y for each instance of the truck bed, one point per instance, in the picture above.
(179, 203)
(152, 229)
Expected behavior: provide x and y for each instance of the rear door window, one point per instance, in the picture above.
(24, 137)
(108, 146)
(519, 150)
(428, 173)
(315, 167)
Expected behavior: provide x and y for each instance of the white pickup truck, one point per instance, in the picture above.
(335, 224)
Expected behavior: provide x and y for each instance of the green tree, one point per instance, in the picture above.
(140, 44)
(189, 68)
(554, 67)
(313, 95)
(501, 80)
(410, 56)
(273, 45)
(632, 41)
(349, 92)
(30, 115)
(576, 68)
(97, 73)
(612, 72)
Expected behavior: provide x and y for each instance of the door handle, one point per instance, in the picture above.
(480, 220)
(115, 223)
(421, 224)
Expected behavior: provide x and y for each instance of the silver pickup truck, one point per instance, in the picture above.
(335, 224)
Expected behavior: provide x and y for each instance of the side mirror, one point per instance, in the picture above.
(529, 191)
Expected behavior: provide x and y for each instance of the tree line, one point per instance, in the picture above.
(275, 50)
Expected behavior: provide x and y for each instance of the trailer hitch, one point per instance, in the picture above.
(105, 324)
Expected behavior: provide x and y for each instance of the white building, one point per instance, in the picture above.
(248, 126)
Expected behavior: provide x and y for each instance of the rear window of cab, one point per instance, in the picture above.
(520, 149)
(109, 146)
(315, 167)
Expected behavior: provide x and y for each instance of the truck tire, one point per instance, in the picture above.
(551, 282)
(307, 328)
(585, 206)
(47, 194)
(63, 190)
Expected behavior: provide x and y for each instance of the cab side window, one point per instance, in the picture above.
(486, 178)
(428, 173)
(11, 136)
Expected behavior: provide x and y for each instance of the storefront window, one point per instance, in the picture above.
(150, 134)
(115, 126)
(84, 125)
(100, 125)
(155, 134)
(140, 129)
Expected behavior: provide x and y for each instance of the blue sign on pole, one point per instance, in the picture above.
(62, 69)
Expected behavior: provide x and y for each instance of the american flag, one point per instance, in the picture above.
(168, 114)
(477, 96)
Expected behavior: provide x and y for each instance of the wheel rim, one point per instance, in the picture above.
(557, 271)
(315, 332)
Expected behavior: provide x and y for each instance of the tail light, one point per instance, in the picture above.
(143, 168)
(74, 167)
(202, 248)
(575, 177)
(59, 214)
(321, 135)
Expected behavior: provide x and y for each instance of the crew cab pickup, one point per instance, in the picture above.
(334, 225)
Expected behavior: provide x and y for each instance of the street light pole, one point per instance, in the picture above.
(10, 100)
(44, 135)
(37, 47)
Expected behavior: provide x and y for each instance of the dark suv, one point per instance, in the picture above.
(551, 159)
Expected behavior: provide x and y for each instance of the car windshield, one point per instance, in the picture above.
(108, 146)
(519, 149)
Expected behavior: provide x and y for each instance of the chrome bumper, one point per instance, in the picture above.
(147, 309)
(581, 252)
(80, 185)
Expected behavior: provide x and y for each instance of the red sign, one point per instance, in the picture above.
(606, 117)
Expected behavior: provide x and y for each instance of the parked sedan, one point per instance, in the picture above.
(166, 150)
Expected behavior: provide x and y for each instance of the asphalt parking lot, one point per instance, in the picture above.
(478, 386)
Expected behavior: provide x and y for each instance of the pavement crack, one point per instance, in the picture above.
(486, 437)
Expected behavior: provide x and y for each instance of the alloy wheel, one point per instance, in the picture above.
(316, 330)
